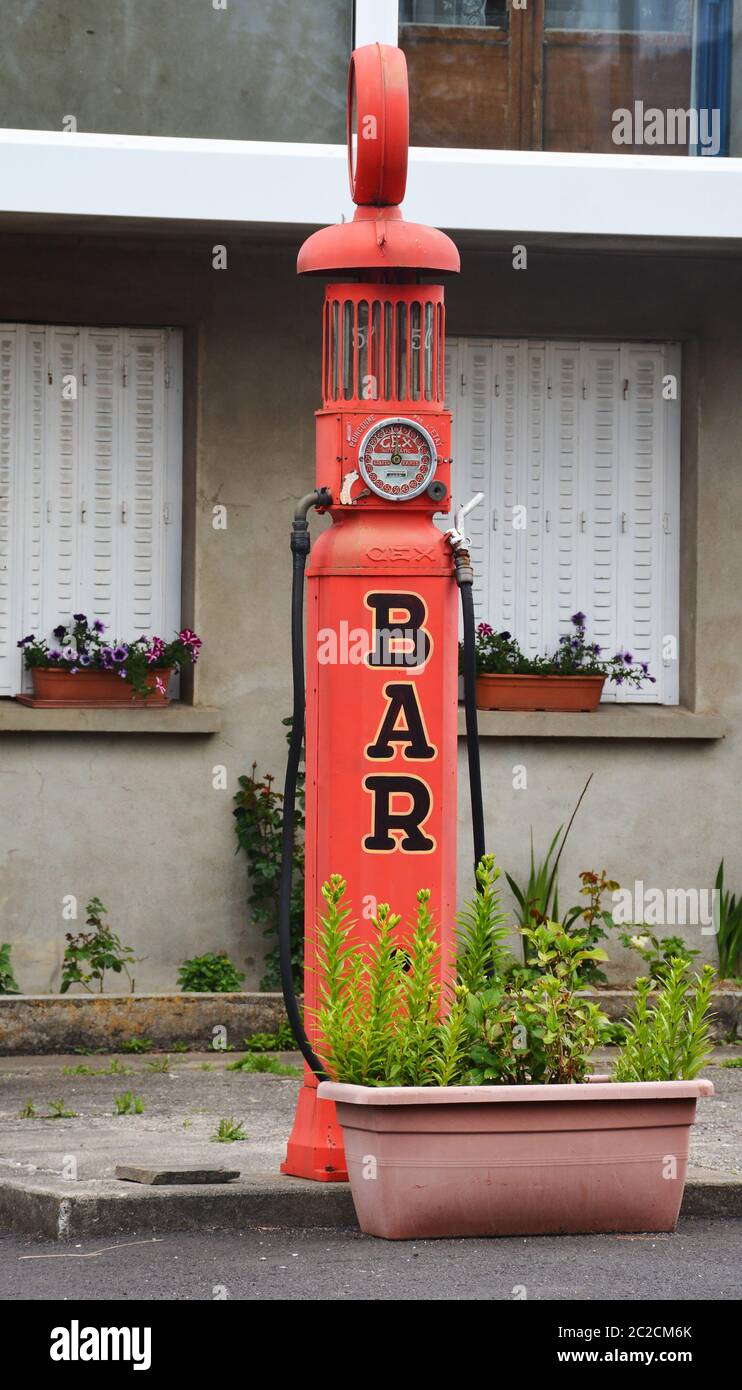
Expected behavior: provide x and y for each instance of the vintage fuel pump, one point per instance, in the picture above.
(382, 611)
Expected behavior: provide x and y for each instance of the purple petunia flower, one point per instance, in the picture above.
(596, 649)
(54, 654)
(84, 660)
(628, 658)
(98, 626)
(578, 619)
(79, 618)
(60, 632)
(69, 653)
(107, 658)
(25, 640)
(121, 652)
(504, 636)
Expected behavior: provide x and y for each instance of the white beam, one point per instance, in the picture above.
(241, 182)
(377, 21)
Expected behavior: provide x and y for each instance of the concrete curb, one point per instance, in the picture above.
(40, 1024)
(266, 1200)
(33, 1024)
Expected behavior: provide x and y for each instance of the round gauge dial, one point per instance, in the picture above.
(397, 459)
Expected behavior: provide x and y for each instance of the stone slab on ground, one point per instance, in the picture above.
(173, 1177)
(182, 1108)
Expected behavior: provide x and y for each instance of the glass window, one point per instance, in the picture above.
(633, 16)
(477, 13)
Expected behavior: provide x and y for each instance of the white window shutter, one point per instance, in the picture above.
(10, 658)
(62, 471)
(563, 516)
(505, 489)
(91, 521)
(535, 401)
(599, 495)
(475, 443)
(640, 589)
(99, 503)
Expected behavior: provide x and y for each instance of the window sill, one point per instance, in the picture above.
(170, 719)
(609, 721)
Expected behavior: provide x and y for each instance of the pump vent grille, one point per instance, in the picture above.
(383, 344)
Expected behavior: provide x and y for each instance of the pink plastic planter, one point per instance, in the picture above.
(516, 1160)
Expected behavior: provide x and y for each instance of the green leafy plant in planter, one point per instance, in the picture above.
(668, 1035)
(657, 953)
(385, 1019)
(82, 646)
(8, 982)
(212, 973)
(259, 827)
(88, 955)
(499, 653)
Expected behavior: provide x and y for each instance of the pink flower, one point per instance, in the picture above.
(192, 642)
(159, 685)
(157, 647)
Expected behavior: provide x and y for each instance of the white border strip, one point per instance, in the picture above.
(377, 21)
(251, 182)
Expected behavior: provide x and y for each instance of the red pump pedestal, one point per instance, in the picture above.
(382, 620)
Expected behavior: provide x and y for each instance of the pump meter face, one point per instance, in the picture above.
(397, 459)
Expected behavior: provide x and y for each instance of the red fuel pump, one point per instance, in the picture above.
(382, 619)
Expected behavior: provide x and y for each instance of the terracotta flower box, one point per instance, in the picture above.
(529, 692)
(516, 1160)
(56, 689)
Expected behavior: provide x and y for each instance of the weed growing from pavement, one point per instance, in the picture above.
(28, 1112)
(58, 1111)
(732, 1062)
(158, 1064)
(128, 1104)
(228, 1132)
(137, 1045)
(263, 1063)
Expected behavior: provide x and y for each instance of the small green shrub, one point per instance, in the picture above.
(281, 1041)
(212, 973)
(733, 1062)
(88, 955)
(668, 1037)
(657, 954)
(136, 1045)
(259, 827)
(8, 982)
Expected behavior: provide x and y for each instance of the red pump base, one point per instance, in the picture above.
(315, 1148)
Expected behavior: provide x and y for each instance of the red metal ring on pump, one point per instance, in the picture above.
(378, 125)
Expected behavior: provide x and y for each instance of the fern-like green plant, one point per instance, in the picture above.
(668, 1036)
(481, 931)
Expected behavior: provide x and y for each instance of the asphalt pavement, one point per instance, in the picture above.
(700, 1261)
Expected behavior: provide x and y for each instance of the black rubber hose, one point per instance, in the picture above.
(464, 578)
(299, 551)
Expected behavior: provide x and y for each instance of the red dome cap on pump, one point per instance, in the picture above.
(378, 238)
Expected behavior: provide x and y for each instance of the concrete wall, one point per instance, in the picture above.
(135, 819)
(223, 69)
